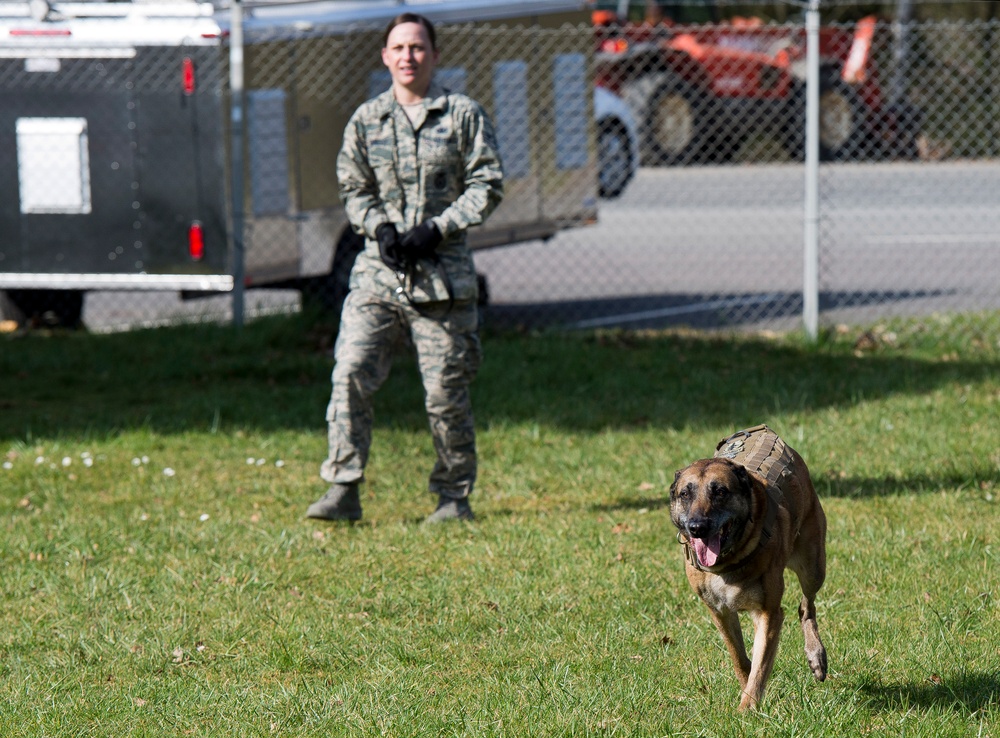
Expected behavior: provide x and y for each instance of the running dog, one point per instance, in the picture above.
(743, 516)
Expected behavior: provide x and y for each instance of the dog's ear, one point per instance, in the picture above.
(743, 477)
(673, 485)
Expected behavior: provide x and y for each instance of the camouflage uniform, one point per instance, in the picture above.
(443, 166)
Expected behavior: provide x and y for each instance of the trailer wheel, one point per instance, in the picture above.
(44, 308)
(672, 116)
(330, 290)
(483, 298)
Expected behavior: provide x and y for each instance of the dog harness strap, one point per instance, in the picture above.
(761, 451)
(774, 500)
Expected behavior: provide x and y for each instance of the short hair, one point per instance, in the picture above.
(410, 18)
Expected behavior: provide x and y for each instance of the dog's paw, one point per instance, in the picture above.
(817, 662)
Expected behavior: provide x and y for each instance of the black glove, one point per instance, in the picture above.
(421, 242)
(389, 247)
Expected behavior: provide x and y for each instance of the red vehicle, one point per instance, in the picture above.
(698, 92)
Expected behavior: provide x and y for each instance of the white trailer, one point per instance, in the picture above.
(117, 155)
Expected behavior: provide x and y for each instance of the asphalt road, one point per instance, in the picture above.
(721, 247)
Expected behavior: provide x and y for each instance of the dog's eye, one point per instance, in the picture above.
(685, 492)
(717, 490)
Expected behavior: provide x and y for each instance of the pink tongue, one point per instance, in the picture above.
(708, 551)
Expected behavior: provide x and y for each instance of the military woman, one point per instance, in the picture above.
(418, 167)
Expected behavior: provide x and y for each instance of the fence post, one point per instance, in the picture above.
(810, 252)
(236, 104)
(993, 82)
(901, 52)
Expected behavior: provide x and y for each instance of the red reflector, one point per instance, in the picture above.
(40, 32)
(196, 241)
(187, 72)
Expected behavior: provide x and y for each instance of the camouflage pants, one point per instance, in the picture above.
(448, 355)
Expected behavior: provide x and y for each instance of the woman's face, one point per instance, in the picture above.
(410, 58)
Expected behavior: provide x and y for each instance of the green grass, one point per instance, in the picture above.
(200, 602)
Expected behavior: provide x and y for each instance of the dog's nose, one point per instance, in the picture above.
(699, 527)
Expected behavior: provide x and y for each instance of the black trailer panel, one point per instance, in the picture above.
(181, 158)
(150, 163)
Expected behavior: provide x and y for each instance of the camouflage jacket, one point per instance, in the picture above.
(443, 166)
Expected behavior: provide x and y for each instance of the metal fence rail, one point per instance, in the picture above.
(701, 163)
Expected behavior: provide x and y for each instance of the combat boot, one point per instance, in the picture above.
(341, 502)
(450, 508)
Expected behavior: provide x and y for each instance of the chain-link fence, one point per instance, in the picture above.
(711, 231)
(658, 172)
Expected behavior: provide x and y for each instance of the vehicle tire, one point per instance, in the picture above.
(673, 119)
(483, 298)
(614, 159)
(339, 280)
(841, 123)
(907, 121)
(45, 308)
(328, 292)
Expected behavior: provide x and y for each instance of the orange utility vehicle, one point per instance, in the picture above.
(699, 91)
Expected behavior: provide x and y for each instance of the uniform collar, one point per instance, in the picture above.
(435, 99)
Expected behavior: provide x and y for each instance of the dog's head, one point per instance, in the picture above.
(711, 502)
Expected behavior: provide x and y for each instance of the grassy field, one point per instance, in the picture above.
(159, 578)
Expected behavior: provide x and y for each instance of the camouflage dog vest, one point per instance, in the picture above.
(760, 450)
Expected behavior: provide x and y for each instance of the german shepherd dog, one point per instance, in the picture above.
(743, 516)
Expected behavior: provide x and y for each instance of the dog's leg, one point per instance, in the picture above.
(811, 572)
(767, 633)
(809, 564)
(815, 650)
(728, 624)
